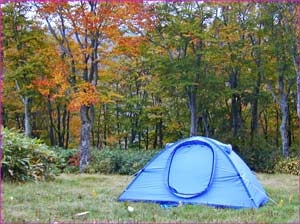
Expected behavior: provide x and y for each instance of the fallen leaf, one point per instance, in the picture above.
(82, 214)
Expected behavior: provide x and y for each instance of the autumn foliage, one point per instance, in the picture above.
(135, 74)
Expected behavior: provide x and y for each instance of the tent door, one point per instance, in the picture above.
(190, 169)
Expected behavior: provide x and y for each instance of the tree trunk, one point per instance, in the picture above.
(85, 153)
(264, 124)
(98, 134)
(256, 54)
(19, 121)
(147, 138)
(283, 103)
(67, 131)
(27, 127)
(92, 120)
(193, 111)
(155, 138)
(64, 125)
(160, 133)
(4, 115)
(277, 128)
(254, 118)
(118, 122)
(59, 131)
(254, 108)
(283, 128)
(105, 125)
(236, 116)
(51, 132)
(236, 113)
(205, 123)
(93, 136)
(133, 133)
(289, 127)
(126, 142)
(133, 127)
(25, 101)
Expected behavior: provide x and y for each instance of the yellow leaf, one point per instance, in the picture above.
(94, 194)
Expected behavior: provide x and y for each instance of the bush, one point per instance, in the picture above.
(64, 158)
(259, 155)
(126, 162)
(74, 160)
(294, 152)
(289, 166)
(26, 159)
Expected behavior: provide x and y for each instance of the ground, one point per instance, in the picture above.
(69, 195)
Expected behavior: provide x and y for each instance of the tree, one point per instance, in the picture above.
(83, 32)
(140, 75)
(278, 25)
(57, 92)
(180, 31)
(234, 49)
(23, 39)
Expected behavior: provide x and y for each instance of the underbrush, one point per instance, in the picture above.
(258, 154)
(26, 159)
(288, 166)
(125, 162)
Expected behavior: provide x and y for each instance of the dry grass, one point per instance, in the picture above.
(282, 182)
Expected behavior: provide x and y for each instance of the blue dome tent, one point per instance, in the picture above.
(197, 170)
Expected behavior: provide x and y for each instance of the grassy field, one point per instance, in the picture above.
(68, 195)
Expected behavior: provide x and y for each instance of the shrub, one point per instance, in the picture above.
(65, 158)
(126, 162)
(26, 159)
(289, 166)
(74, 160)
(259, 155)
(294, 151)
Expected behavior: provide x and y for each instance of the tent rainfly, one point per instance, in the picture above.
(197, 170)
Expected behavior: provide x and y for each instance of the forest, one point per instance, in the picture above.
(136, 75)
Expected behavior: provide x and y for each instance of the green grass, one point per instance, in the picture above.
(68, 195)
